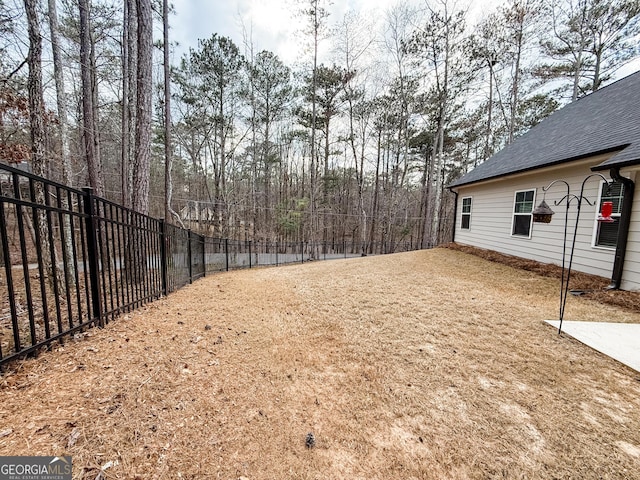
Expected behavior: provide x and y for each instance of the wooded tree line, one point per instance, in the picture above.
(357, 141)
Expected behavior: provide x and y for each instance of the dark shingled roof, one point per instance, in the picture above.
(607, 120)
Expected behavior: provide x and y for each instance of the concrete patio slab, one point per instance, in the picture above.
(620, 341)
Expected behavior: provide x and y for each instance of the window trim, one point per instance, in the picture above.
(463, 213)
(513, 212)
(596, 226)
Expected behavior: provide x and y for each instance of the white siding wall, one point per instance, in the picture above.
(492, 211)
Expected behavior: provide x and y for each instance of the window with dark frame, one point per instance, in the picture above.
(607, 233)
(522, 213)
(465, 220)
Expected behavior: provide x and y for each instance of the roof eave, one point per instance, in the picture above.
(547, 165)
(630, 157)
(609, 166)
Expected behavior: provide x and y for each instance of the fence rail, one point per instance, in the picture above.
(71, 260)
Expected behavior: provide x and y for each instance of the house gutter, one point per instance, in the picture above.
(623, 229)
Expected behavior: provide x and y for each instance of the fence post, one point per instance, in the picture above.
(276, 254)
(204, 255)
(189, 255)
(302, 251)
(249, 253)
(226, 253)
(163, 255)
(92, 253)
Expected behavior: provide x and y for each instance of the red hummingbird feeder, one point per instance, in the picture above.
(605, 213)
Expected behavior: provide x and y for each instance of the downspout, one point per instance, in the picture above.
(455, 214)
(623, 229)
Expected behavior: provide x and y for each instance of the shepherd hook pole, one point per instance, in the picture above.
(568, 198)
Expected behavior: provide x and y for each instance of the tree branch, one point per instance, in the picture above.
(8, 77)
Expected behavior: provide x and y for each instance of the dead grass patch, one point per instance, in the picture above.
(422, 365)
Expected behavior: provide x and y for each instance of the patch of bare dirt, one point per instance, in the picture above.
(421, 365)
(594, 287)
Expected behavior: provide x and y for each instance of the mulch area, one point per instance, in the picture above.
(593, 286)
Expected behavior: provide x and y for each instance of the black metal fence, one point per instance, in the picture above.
(71, 260)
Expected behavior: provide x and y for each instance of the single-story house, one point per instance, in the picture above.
(597, 134)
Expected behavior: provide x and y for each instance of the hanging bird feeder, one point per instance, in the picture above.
(542, 213)
(605, 213)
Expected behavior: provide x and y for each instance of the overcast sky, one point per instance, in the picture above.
(198, 19)
(273, 23)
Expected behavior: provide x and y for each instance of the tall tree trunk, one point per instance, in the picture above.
(61, 103)
(487, 145)
(596, 70)
(314, 162)
(88, 110)
(438, 159)
(359, 171)
(34, 85)
(218, 207)
(132, 75)
(254, 150)
(142, 151)
(376, 190)
(325, 183)
(515, 89)
(514, 99)
(125, 145)
(576, 77)
(269, 230)
(436, 180)
(95, 115)
(38, 132)
(62, 127)
(424, 202)
(580, 50)
(168, 150)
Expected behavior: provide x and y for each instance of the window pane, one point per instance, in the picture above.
(522, 225)
(613, 194)
(608, 234)
(524, 207)
(524, 202)
(526, 196)
(466, 205)
(466, 220)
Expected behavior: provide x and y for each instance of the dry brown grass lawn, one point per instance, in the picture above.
(423, 365)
